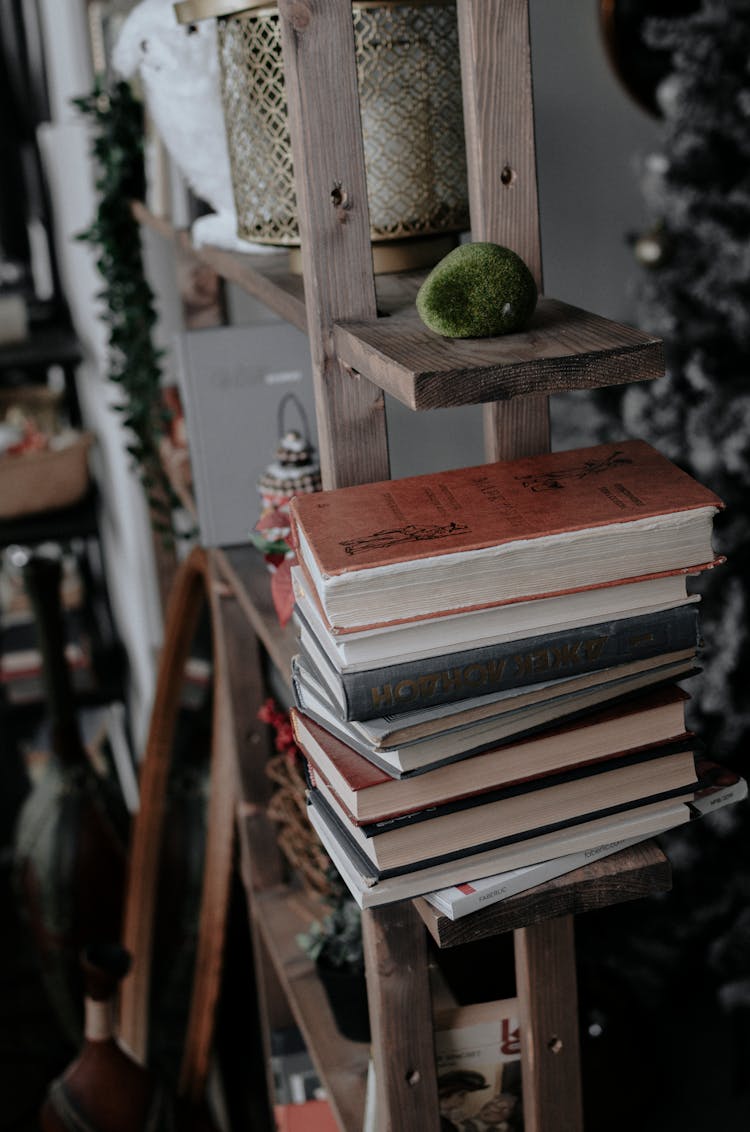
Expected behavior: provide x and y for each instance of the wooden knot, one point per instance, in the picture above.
(299, 15)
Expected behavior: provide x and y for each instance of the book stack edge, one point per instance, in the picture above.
(470, 751)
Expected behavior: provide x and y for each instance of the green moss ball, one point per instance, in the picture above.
(477, 291)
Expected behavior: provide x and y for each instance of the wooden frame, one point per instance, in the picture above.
(194, 585)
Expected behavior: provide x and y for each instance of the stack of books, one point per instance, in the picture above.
(486, 678)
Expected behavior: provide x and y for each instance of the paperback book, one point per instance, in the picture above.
(478, 1062)
(478, 1065)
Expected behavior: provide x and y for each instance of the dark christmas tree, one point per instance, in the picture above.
(696, 296)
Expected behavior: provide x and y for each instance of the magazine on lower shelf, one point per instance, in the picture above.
(478, 1066)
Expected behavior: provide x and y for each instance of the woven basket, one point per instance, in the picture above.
(296, 837)
(44, 481)
(38, 402)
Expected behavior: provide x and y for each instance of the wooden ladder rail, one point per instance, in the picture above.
(321, 87)
(501, 154)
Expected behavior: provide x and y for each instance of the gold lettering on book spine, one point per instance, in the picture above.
(479, 675)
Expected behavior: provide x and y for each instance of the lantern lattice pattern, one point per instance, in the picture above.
(412, 121)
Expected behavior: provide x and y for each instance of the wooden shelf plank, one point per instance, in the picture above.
(342, 1065)
(245, 571)
(265, 277)
(642, 870)
(563, 348)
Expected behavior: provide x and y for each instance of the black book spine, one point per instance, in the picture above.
(515, 664)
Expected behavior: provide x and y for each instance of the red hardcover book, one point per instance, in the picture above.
(379, 553)
(370, 795)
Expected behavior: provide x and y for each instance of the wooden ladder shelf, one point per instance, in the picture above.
(356, 356)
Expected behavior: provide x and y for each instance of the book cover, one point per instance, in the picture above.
(478, 1063)
(613, 512)
(398, 688)
(371, 890)
(377, 524)
(477, 1059)
(461, 900)
(370, 794)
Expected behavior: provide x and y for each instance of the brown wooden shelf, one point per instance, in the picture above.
(245, 571)
(265, 277)
(280, 915)
(563, 348)
(641, 870)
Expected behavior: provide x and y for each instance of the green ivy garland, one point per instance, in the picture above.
(134, 362)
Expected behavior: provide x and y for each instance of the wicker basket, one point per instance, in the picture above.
(296, 837)
(44, 481)
(38, 402)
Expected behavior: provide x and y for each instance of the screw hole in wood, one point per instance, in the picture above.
(339, 200)
(413, 1077)
(554, 1045)
(507, 175)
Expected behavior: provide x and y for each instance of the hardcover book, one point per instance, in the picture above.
(369, 794)
(371, 890)
(446, 734)
(536, 527)
(498, 817)
(460, 900)
(497, 667)
(358, 650)
(718, 788)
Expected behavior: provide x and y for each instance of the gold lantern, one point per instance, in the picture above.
(412, 124)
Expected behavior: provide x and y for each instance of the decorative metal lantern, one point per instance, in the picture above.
(412, 123)
(294, 471)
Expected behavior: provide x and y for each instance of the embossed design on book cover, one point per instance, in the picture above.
(410, 532)
(554, 480)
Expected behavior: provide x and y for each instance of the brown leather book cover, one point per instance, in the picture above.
(377, 524)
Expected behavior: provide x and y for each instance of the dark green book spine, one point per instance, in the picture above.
(514, 664)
